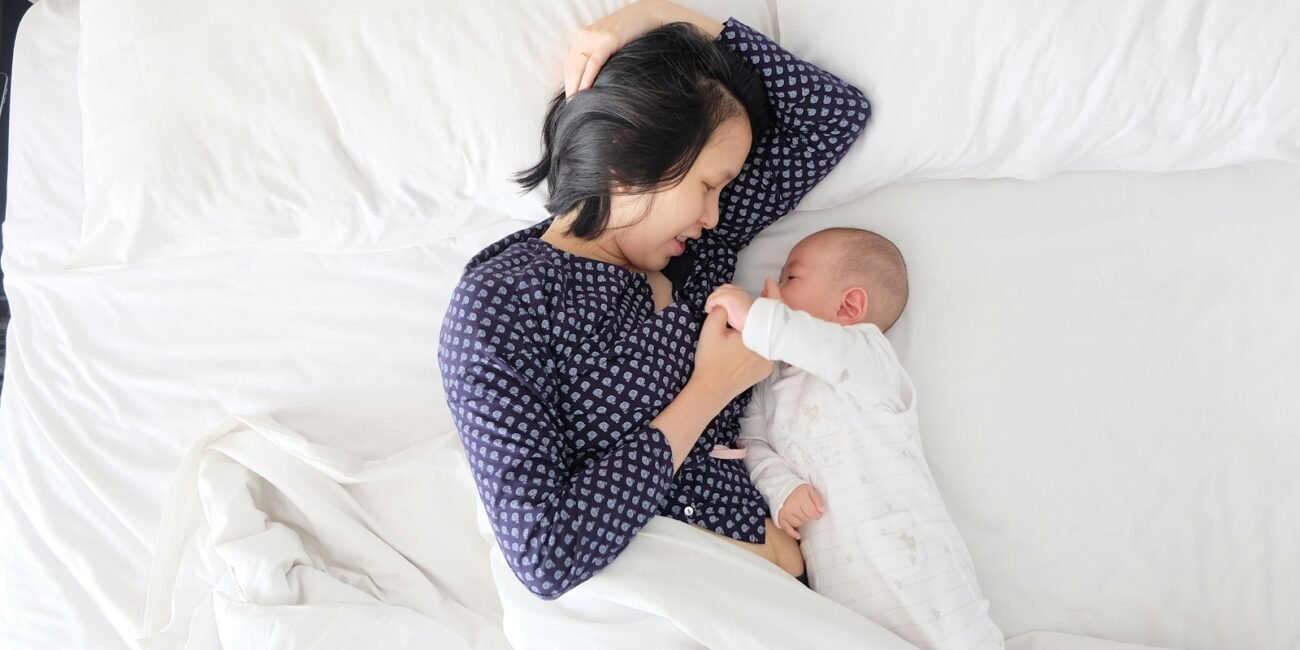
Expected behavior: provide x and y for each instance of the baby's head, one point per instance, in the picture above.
(847, 276)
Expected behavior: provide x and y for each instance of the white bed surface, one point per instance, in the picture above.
(1058, 641)
(1105, 364)
(1106, 368)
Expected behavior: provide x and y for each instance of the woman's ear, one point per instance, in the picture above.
(853, 306)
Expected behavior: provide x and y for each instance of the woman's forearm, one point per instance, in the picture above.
(686, 417)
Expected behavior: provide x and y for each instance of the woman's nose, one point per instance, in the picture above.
(710, 218)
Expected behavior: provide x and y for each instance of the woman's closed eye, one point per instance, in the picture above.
(710, 188)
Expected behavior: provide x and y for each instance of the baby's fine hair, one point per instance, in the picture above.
(871, 261)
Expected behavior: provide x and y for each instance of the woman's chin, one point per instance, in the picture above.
(657, 263)
(653, 261)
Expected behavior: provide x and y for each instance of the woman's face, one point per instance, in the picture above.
(649, 238)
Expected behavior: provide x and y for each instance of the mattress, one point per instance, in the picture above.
(1106, 365)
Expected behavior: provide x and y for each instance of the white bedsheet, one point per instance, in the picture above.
(1107, 364)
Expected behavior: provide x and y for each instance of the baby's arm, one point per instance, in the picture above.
(858, 355)
(774, 477)
(830, 351)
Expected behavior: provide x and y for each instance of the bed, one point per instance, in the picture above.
(1106, 346)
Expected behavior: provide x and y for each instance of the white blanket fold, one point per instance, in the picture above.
(301, 546)
(271, 541)
(676, 586)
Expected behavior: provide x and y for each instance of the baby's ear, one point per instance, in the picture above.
(853, 306)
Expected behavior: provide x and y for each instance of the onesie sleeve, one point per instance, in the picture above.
(858, 357)
(770, 472)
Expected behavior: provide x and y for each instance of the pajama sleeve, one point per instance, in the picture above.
(771, 474)
(815, 116)
(557, 521)
(857, 356)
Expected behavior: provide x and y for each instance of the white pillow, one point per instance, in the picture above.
(321, 125)
(1009, 88)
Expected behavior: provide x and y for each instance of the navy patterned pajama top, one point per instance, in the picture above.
(554, 365)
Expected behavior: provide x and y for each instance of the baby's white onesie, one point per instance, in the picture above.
(839, 413)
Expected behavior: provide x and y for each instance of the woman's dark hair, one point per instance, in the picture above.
(643, 122)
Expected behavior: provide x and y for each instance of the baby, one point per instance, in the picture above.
(831, 441)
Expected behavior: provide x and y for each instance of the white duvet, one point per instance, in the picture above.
(298, 545)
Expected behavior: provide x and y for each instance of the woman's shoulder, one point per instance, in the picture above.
(496, 327)
(514, 276)
(515, 258)
(498, 309)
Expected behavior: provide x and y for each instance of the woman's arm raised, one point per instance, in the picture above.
(816, 116)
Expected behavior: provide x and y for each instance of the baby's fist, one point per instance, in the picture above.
(734, 300)
(803, 505)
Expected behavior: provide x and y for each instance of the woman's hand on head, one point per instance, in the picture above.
(722, 362)
(596, 42)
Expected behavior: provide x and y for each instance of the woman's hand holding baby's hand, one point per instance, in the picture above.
(724, 368)
(803, 505)
(737, 301)
(722, 362)
(734, 300)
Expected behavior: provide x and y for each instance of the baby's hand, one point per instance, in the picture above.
(803, 505)
(771, 289)
(734, 300)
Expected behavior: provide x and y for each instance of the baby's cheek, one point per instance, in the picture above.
(793, 298)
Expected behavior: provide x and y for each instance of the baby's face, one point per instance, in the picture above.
(808, 280)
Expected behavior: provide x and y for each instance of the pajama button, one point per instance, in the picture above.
(689, 511)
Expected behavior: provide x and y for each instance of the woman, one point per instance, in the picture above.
(589, 387)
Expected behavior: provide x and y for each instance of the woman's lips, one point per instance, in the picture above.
(679, 247)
